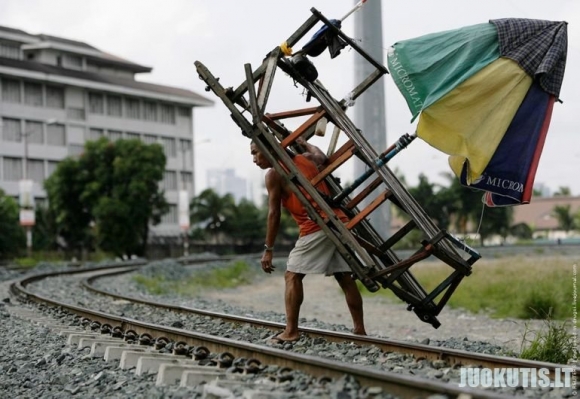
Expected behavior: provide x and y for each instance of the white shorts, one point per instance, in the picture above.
(316, 254)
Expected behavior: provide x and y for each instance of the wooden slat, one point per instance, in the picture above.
(267, 79)
(338, 160)
(294, 113)
(275, 126)
(252, 94)
(302, 128)
(398, 235)
(367, 211)
(364, 193)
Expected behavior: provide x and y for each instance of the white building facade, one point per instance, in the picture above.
(56, 93)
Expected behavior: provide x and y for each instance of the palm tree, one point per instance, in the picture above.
(566, 220)
(463, 203)
(213, 211)
(563, 192)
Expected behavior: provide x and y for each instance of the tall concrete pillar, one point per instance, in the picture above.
(370, 108)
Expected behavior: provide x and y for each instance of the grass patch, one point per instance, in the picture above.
(229, 276)
(507, 287)
(42, 257)
(552, 343)
(26, 263)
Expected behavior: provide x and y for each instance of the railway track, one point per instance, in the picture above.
(404, 386)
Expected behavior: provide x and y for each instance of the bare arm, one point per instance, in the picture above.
(274, 187)
(312, 153)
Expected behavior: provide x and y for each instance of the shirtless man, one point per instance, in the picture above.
(314, 252)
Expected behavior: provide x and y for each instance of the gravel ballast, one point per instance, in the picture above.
(263, 300)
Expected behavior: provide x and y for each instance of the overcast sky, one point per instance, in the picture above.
(225, 34)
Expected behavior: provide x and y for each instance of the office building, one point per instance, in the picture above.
(57, 93)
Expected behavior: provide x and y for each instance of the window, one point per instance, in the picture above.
(35, 170)
(75, 149)
(10, 50)
(114, 106)
(12, 169)
(169, 180)
(115, 135)
(187, 181)
(11, 90)
(149, 111)
(132, 108)
(186, 153)
(11, 130)
(185, 145)
(33, 94)
(95, 134)
(54, 97)
(75, 113)
(169, 147)
(167, 113)
(133, 136)
(96, 103)
(171, 216)
(33, 131)
(149, 139)
(184, 112)
(55, 135)
(73, 61)
(51, 167)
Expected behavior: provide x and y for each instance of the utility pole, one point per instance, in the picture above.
(183, 204)
(370, 109)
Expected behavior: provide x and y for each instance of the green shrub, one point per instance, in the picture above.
(26, 263)
(553, 343)
(540, 305)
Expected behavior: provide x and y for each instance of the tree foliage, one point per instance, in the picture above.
(566, 220)
(495, 221)
(465, 203)
(12, 238)
(563, 191)
(434, 200)
(248, 224)
(44, 233)
(214, 213)
(522, 231)
(109, 196)
(64, 189)
(456, 207)
(221, 220)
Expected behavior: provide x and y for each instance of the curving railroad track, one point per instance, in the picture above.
(150, 334)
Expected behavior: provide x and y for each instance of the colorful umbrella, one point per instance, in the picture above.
(484, 94)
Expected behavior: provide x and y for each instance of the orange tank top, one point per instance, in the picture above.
(295, 207)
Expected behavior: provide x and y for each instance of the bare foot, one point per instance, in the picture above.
(281, 338)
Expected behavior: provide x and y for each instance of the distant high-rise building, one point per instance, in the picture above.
(542, 190)
(59, 93)
(225, 181)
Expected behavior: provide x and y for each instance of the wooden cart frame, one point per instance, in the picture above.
(371, 257)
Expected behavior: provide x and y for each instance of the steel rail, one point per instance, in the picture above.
(451, 356)
(396, 384)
